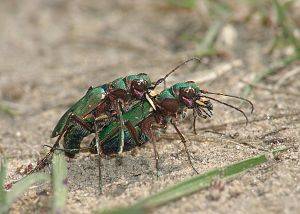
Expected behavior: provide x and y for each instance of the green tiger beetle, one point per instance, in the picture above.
(170, 105)
(100, 106)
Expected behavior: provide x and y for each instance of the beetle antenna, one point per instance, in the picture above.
(159, 81)
(233, 96)
(231, 106)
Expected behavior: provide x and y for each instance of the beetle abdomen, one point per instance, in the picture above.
(73, 138)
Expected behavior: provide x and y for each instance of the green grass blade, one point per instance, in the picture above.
(186, 4)
(207, 45)
(59, 175)
(194, 184)
(135, 209)
(282, 22)
(3, 196)
(22, 185)
(8, 110)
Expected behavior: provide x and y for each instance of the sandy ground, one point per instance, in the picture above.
(52, 51)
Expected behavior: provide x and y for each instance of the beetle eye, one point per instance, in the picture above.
(139, 85)
(189, 93)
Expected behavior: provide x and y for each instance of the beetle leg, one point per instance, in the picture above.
(183, 140)
(99, 158)
(81, 122)
(194, 122)
(122, 129)
(156, 156)
(133, 132)
(42, 163)
(146, 127)
(81, 149)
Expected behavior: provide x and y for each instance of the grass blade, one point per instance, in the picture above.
(194, 184)
(59, 175)
(206, 46)
(8, 110)
(3, 198)
(283, 23)
(186, 4)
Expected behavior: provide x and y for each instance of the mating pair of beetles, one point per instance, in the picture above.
(124, 113)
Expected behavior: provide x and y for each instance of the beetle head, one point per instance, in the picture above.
(190, 95)
(139, 85)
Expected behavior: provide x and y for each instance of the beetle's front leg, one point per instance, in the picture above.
(147, 129)
(183, 140)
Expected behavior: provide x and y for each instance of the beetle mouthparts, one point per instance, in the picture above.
(150, 101)
(153, 93)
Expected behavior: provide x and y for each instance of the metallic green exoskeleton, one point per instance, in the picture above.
(169, 105)
(99, 106)
(171, 102)
(92, 98)
(109, 136)
(133, 86)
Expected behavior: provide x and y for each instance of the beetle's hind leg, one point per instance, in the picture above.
(71, 118)
(99, 158)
